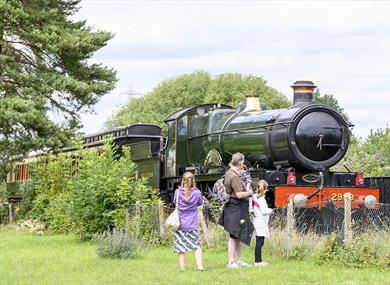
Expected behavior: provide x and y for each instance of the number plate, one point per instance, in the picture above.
(340, 197)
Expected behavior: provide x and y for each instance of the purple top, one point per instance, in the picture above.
(188, 211)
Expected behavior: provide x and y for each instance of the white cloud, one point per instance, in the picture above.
(342, 46)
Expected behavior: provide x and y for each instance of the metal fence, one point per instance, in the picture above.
(290, 227)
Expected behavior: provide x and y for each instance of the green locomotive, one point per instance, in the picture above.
(291, 148)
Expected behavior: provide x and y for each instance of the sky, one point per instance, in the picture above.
(343, 47)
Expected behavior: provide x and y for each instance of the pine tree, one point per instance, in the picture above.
(45, 70)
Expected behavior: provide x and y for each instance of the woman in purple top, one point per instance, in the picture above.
(186, 238)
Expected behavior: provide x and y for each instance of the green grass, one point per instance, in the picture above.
(58, 259)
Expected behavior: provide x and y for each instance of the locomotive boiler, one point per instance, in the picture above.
(291, 148)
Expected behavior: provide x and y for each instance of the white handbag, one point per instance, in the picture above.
(173, 221)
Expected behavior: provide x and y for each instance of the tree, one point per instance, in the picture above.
(371, 155)
(44, 70)
(196, 88)
(328, 99)
(168, 97)
(232, 88)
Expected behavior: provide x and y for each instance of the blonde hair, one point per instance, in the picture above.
(261, 187)
(187, 183)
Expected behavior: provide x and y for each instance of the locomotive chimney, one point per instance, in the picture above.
(303, 92)
(252, 104)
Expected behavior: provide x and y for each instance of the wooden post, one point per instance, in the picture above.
(347, 219)
(203, 225)
(127, 218)
(161, 219)
(11, 212)
(138, 218)
(289, 227)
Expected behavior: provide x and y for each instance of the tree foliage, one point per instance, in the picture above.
(371, 155)
(85, 196)
(328, 99)
(196, 88)
(44, 70)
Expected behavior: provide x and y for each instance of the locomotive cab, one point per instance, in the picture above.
(185, 147)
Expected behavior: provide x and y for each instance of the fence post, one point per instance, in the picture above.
(289, 227)
(138, 218)
(203, 225)
(161, 219)
(347, 219)
(127, 218)
(11, 212)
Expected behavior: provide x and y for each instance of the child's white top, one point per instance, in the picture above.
(261, 216)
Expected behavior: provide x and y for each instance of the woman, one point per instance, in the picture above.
(260, 220)
(235, 216)
(186, 238)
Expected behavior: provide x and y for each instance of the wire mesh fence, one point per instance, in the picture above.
(143, 222)
(290, 228)
(303, 228)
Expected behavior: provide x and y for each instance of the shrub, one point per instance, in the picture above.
(87, 194)
(28, 194)
(3, 204)
(360, 253)
(116, 244)
(47, 197)
(104, 187)
(4, 219)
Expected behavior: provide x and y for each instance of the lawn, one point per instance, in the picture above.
(59, 259)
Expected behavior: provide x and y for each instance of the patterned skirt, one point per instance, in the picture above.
(184, 241)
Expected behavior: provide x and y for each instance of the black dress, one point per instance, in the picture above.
(235, 220)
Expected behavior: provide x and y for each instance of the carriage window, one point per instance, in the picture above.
(182, 126)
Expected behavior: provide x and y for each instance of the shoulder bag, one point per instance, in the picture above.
(173, 221)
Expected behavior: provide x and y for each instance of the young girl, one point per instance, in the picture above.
(260, 220)
(186, 238)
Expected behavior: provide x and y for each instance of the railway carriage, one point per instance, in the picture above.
(145, 141)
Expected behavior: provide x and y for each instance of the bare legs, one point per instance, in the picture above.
(182, 260)
(198, 259)
(234, 250)
(237, 255)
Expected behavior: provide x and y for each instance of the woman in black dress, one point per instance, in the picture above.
(235, 216)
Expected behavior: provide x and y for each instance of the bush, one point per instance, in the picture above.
(28, 194)
(86, 194)
(47, 197)
(116, 244)
(3, 204)
(4, 218)
(104, 187)
(360, 253)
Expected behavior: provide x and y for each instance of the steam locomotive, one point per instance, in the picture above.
(291, 148)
